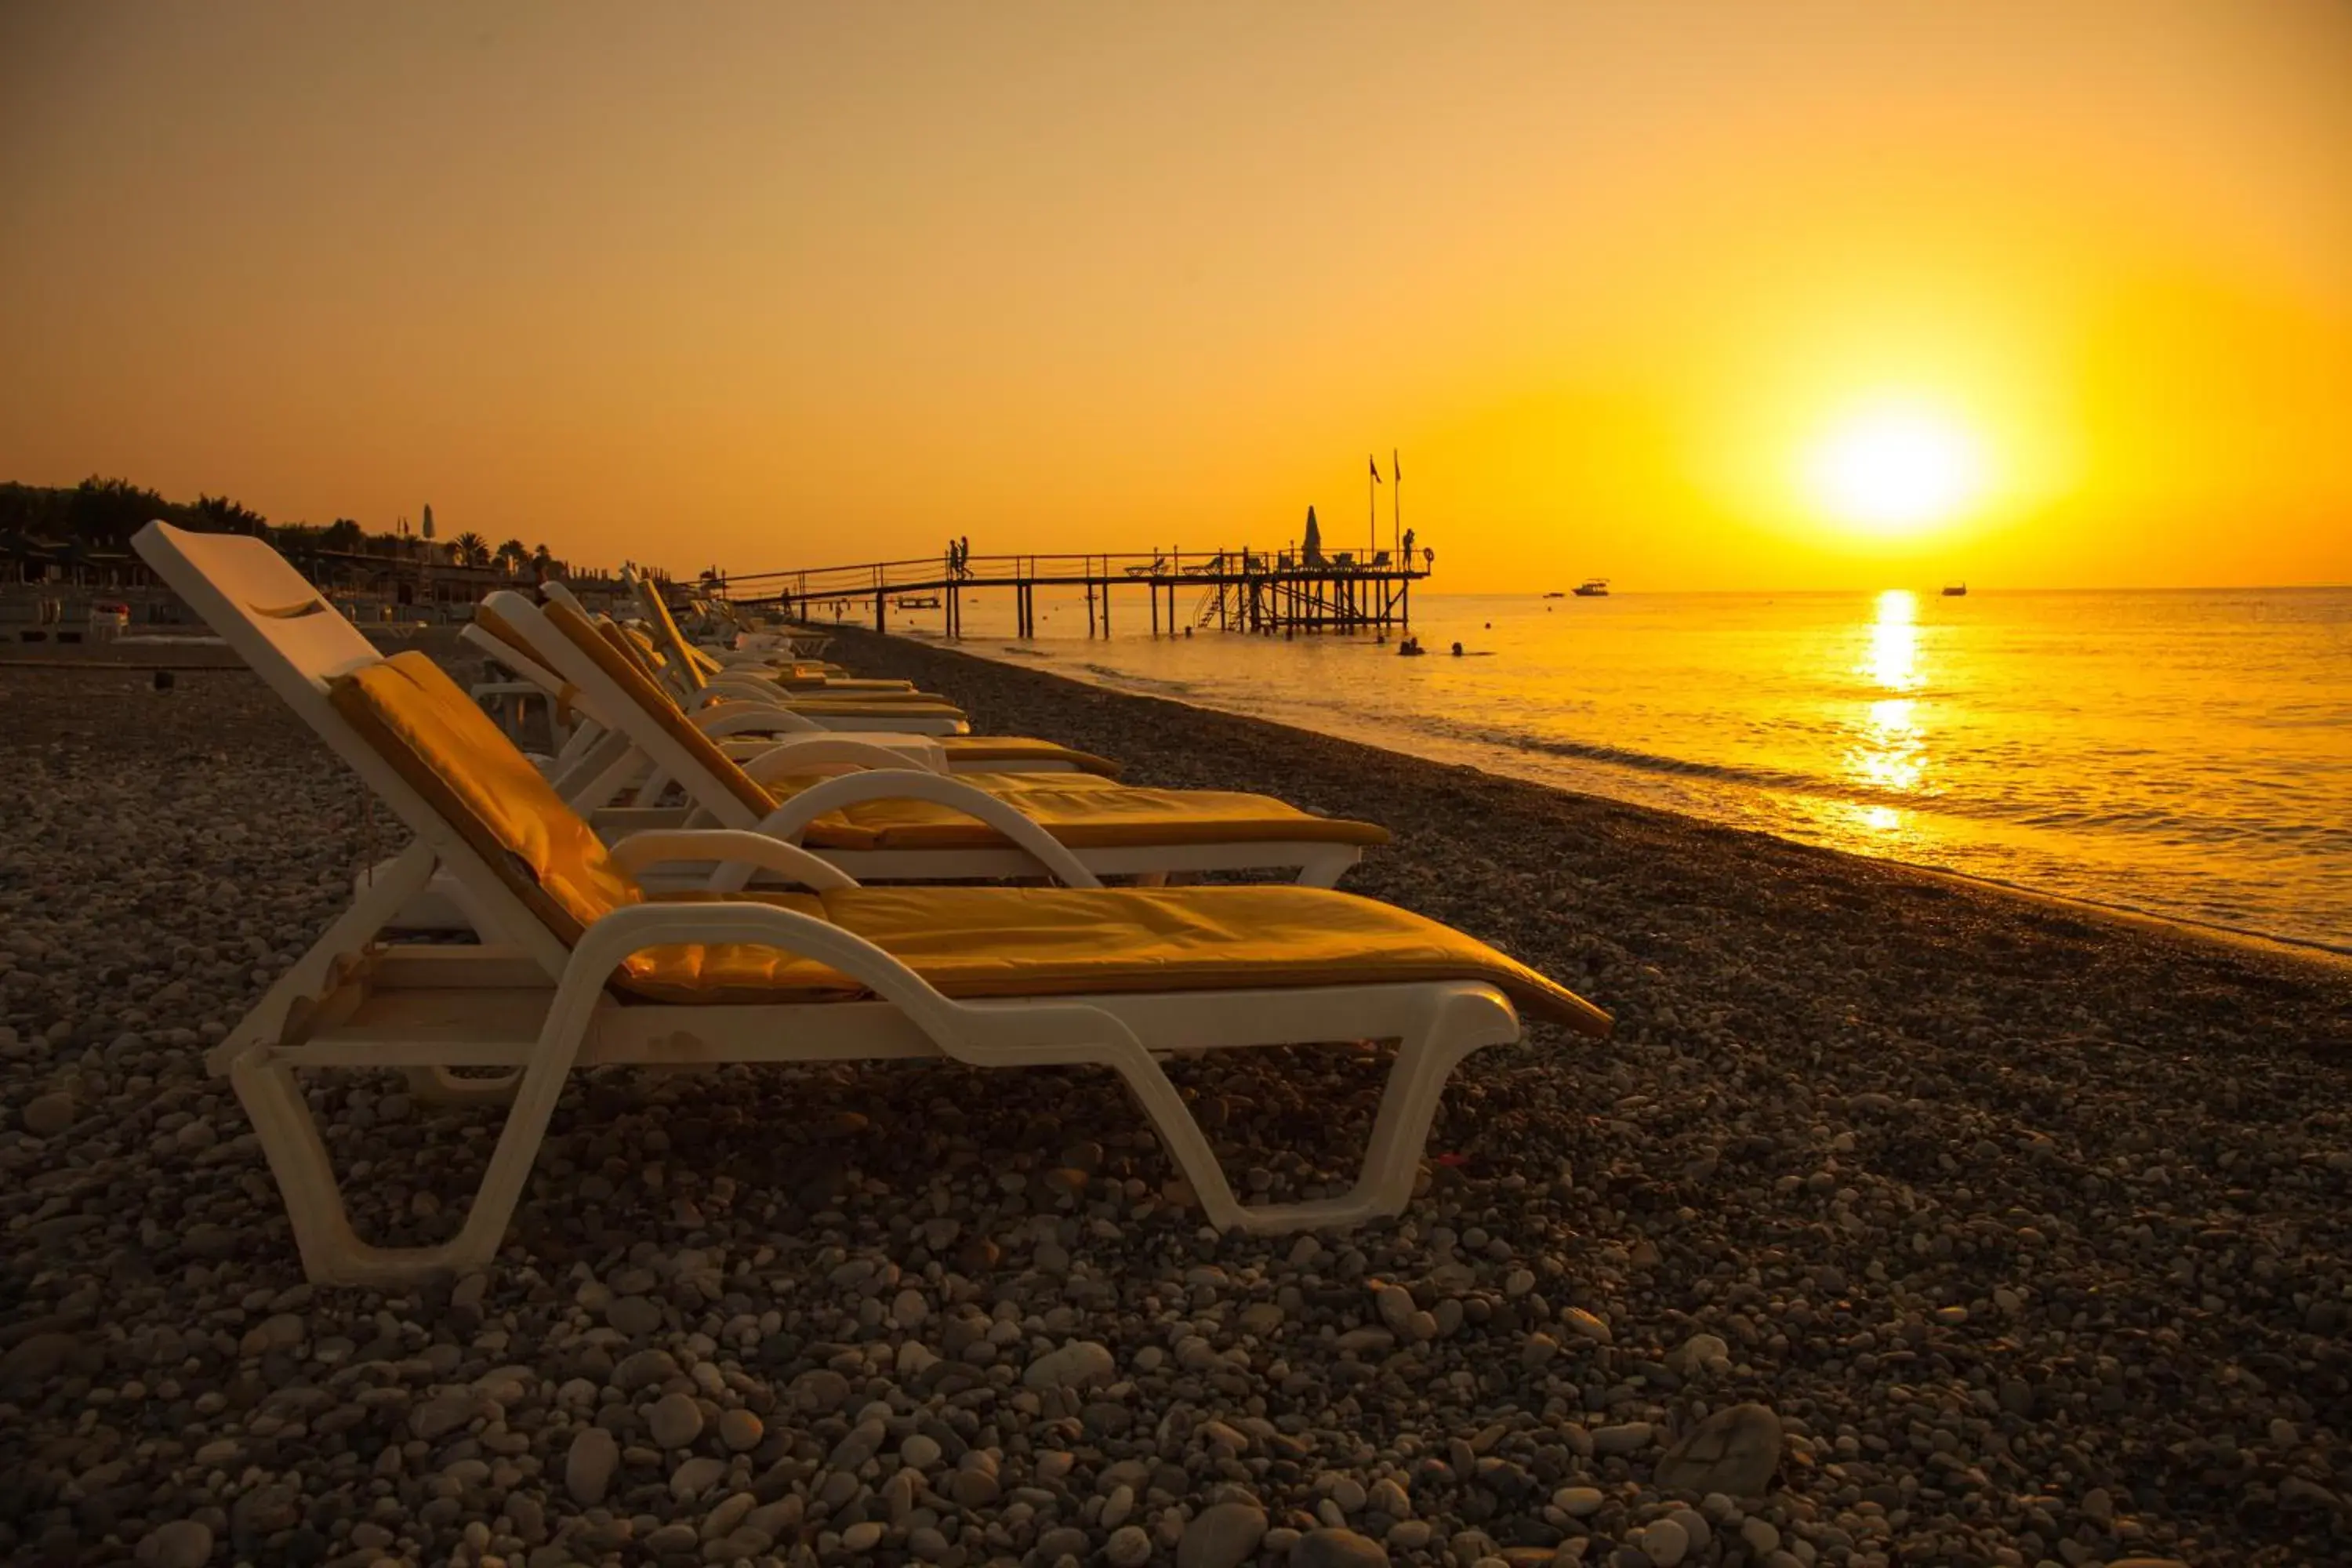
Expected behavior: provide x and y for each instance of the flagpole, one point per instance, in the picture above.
(1396, 502)
(1373, 512)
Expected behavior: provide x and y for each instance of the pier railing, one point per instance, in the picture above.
(1241, 588)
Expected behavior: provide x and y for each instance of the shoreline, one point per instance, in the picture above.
(2032, 1229)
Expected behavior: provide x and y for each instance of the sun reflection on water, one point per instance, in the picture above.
(1890, 748)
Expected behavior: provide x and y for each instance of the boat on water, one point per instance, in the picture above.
(1592, 588)
(1956, 590)
(1555, 593)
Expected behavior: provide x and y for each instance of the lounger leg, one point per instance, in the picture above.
(1325, 866)
(1457, 1024)
(332, 1253)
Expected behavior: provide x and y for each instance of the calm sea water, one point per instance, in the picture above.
(2184, 754)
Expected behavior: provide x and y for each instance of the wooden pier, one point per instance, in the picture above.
(1270, 593)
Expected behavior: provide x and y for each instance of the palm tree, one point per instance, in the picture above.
(472, 548)
(512, 555)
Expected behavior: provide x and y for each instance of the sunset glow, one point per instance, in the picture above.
(1897, 470)
(795, 284)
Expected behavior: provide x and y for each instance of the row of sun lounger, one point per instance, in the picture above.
(687, 878)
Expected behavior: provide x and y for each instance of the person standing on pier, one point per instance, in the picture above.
(1407, 550)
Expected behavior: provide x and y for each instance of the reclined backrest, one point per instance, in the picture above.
(647, 707)
(300, 646)
(447, 749)
(671, 641)
(256, 601)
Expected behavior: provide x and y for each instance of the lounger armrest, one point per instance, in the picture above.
(1041, 1032)
(727, 717)
(740, 852)
(788, 820)
(745, 688)
(833, 752)
(760, 695)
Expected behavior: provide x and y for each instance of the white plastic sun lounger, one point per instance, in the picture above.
(906, 711)
(751, 729)
(975, 834)
(595, 974)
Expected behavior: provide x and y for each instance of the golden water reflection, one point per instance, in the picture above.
(1890, 748)
(1894, 660)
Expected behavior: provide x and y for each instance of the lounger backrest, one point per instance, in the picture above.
(264, 609)
(493, 635)
(671, 640)
(256, 601)
(638, 706)
(447, 749)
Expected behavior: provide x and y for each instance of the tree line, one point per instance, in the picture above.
(103, 513)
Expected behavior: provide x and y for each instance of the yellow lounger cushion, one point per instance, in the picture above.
(1052, 941)
(1025, 749)
(1081, 810)
(968, 942)
(445, 748)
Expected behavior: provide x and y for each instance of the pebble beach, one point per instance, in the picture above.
(1905, 1220)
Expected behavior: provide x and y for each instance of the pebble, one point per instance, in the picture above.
(1129, 1546)
(1072, 1366)
(1396, 1306)
(49, 1115)
(589, 1464)
(696, 1476)
(1664, 1541)
(1734, 1451)
(636, 1315)
(1626, 1437)
(1584, 1325)
(1224, 1535)
(674, 1422)
(1336, 1547)
(182, 1543)
(740, 1431)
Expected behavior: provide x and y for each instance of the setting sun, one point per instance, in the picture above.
(1895, 470)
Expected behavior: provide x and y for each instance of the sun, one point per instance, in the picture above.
(1897, 469)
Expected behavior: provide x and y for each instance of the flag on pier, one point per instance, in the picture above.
(1375, 462)
(1396, 466)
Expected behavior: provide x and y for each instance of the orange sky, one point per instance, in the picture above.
(776, 286)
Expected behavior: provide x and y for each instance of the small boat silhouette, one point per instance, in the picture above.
(1956, 590)
(1592, 588)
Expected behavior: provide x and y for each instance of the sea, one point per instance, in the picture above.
(2186, 754)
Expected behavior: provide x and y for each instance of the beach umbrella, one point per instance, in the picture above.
(1313, 550)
